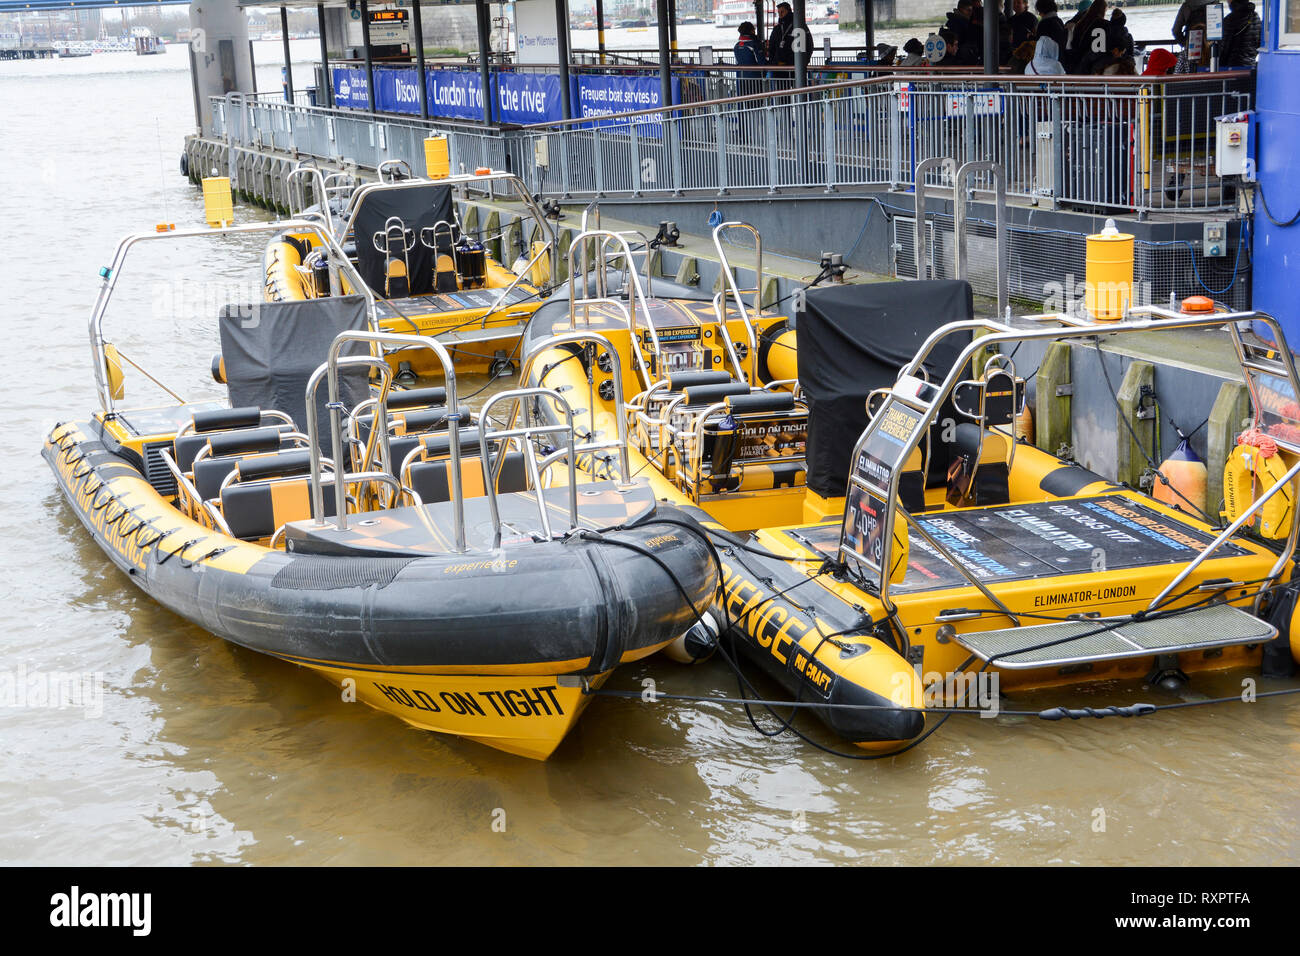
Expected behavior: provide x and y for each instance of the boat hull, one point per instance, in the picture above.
(498, 646)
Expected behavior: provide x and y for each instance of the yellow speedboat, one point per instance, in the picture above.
(441, 569)
(909, 552)
(428, 275)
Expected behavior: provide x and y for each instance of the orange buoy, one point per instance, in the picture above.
(1186, 475)
(1197, 305)
(1025, 425)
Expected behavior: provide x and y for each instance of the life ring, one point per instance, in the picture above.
(1255, 465)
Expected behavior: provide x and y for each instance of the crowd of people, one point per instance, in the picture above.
(1039, 42)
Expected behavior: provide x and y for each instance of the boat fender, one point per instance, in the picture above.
(1281, 655)
(698, 643)
(1254, 466)
(1186, 476)
(113, 365)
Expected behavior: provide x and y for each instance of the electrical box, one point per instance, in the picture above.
(1214, 240)
(1232, 148)
(541, 155)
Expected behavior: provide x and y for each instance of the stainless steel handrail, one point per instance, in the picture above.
(112, 273)
(330, 370)
(730, 278)
(919, 255)
(616, 373)
(524, 436)
(636, 296)
(298, 198)
(1000, 223)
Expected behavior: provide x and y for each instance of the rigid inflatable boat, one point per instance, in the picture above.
(429, 275)
(908, 550)
(455, 574)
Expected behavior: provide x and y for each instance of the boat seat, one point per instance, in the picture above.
(261, 436)
(431, 479)
(256, 509)
(978, 474)
(416, 398)
(209, 472)
(680, 380)
(411, 421)
(699, 396)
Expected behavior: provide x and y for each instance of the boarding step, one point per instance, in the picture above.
(1076, 642)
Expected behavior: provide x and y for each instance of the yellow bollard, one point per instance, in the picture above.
(1108, 288)
(437, 158)
(218, 207)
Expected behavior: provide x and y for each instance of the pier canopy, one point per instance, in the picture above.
(28, 6)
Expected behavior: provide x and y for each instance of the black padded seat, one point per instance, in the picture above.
(255, 510)
(230, 442)
(697, 396)
(979, 473)
(439, 445)
(431, 479)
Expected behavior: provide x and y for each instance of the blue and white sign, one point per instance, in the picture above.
(528, 98)
(397, 91)
(602, 95)
(350, 88)
(455, 94)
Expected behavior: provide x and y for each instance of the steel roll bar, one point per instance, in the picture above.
(524, 434)
(1161, 319)
(730, 278)
(636, 294)
(298, 196)
(330, 369)
(616, 372)
(1000, 223)
(112, 273)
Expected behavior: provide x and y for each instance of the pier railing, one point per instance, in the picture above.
(1128, 144)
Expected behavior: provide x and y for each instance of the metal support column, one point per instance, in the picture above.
(869, 25)
(600, 28)
(370, 65)
(801, 44)
(562, 44)
(483, 16)
(417, 35)
(672, 27)
(991, 44)
(758, 24)
(665, 68)
(288, 65)
(324, 97)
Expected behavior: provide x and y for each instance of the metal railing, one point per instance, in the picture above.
(1120, 143)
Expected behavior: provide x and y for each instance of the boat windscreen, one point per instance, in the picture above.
(271, 349)
(853, 339)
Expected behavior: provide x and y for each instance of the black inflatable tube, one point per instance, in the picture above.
(580, 599)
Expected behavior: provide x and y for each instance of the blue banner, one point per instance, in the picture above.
(350, 88)
(397, 91)
(454, 94)
(601, 95)
(528, 98)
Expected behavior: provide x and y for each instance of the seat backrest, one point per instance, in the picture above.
(431, 479)
(256, 509)
(979, 473)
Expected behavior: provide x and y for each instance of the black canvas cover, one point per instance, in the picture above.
(271, 349)
(419, 207)
(853, 339)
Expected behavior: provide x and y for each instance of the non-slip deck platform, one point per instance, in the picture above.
(1042, 539)
(439, 302)
(1078, 642)
(403, 531)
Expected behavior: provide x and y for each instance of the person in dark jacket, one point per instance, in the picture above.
(748, 52)
(914, 53)
(1049, 24)
(780, 45)
(1088, 38)
(1117, 35)
(961, 24)
(1024, 25)
(1241, 29)
(952, 45)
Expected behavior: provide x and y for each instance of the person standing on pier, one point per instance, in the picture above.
(1241, 29)
(780, 46)
(748, 52)
(1024, 25)
(1050, 25)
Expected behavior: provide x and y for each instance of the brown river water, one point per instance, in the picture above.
(195, 751)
